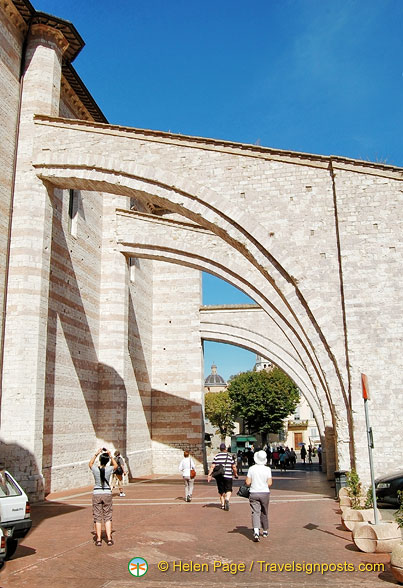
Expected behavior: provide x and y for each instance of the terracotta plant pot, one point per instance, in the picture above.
(380, 538)
(396, 561)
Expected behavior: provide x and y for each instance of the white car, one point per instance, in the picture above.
(15, 512)
(2, 548)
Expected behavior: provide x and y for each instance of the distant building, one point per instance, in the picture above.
(262, 364)
(214, 382)
(301, 427)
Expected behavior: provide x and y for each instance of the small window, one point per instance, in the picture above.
(73, 212)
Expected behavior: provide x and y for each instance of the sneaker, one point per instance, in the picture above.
(187, 498)
(256, 538)
(226, 504)
(265, 533)
(122, 494)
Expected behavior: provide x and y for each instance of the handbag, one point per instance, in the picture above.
(192, 471)
(244, 491)
(218, 470)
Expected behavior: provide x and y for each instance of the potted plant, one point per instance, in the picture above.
(361, 510)
(396, 557)
(379, 537)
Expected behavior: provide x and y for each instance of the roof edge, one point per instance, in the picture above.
(244, 147)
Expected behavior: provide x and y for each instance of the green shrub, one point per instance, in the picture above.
(354, 488)
(369, 499)
(399, 514)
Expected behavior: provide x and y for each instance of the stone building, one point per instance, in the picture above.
(214, 382)
(103, 233)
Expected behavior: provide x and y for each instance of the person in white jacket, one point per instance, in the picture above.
(185, 468)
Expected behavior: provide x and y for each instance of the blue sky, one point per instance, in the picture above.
(306, 75)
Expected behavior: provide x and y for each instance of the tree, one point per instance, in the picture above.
(218, 409)
(263, 399)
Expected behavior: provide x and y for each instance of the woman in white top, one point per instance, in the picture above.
(259, 479)
(185, 467)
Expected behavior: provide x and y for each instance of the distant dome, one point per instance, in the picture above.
(214, 379)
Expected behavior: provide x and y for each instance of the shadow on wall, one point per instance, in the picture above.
(67, 430)
(177, 422)
(23, 466)
(66, 313)
(171, 420)
(139, 363)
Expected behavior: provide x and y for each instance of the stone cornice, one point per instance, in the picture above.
(244, 149)
(50, 35)
(78, 86)
(18, 13)
(65, 28)
(156, 219)
(24, 16)
(221, 307)
(77, 94)
(24, 7)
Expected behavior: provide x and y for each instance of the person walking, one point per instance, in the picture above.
(185, 467)
(119, 473)
(275, 458)
(283, 459)
(293, 458)
(303, 453)
(320, 456)
(102, 494)
(224, 481)
(239, 462)
(259, 479)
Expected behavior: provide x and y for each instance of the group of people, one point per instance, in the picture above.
(282, 458)
(224, 469)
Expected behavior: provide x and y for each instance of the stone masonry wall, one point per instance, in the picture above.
(371, 235)
(70, 420)
(292, 207)
(11, 38)
(177, 375)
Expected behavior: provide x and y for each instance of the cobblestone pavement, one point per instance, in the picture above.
(153, 522)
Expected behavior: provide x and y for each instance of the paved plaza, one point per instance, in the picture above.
(198, 543)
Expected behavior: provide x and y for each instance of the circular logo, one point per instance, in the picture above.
(138, 566)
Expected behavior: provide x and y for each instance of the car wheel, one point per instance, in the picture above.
(11, 546)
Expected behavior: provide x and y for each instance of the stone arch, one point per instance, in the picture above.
(202, 205)
(225, 330)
